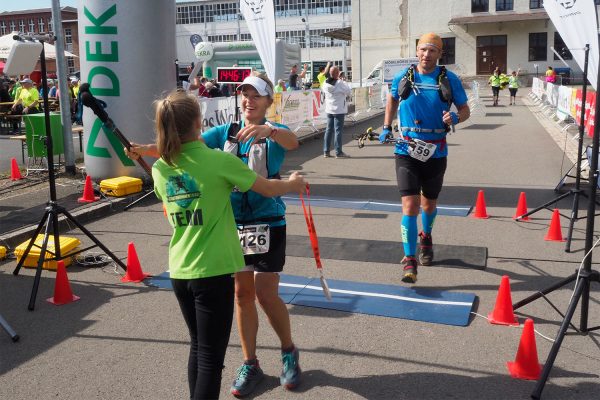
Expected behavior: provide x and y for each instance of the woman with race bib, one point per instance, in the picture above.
(261, 228)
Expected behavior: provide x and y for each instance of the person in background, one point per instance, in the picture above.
(550, 75)
(293, 83)
(213, 90)
(195, 184)
(323, 74)
(280, 87)
(27, 102)
(4, 93)
(495, 81)
(336, 108)
(513, 86)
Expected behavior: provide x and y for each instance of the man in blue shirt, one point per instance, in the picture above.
(422, 94)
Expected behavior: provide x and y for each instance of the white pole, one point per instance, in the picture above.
(63, 86)
(344, 66)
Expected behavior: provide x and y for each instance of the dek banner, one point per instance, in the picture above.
(576, 23)
(260, 18)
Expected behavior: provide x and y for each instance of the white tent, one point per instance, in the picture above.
(7, 41)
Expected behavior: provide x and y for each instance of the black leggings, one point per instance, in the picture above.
(207, 307)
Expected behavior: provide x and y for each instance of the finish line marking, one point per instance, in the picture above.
(381, 295)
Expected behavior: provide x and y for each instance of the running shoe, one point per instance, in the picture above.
(425, 249)
(342, 155)
(410, 270)
(290, 376)
(326, 155)
(248, 376)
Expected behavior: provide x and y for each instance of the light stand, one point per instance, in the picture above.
(576, 192)
(13, 335)
(583, 278)
(50, 217)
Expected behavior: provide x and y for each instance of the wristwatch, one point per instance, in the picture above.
(274, 129)
(387, 127)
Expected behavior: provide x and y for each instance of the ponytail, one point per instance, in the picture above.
(175, 118)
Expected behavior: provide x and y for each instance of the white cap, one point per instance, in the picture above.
(26, 80)
(261, 86)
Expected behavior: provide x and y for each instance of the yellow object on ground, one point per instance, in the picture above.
(2, 252)
(67, 246)
(121, 186)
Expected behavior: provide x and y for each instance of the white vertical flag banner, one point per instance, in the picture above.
(260, 18)
(576, 23)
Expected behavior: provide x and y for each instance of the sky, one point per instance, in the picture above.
(13, 5)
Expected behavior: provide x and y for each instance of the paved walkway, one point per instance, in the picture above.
(128, 340)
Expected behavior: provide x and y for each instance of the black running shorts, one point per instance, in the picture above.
(495, 90)
(274, 259)
(513, 91)
(417, 177)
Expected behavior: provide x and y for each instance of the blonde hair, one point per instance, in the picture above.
(175, 118)
(264, 77)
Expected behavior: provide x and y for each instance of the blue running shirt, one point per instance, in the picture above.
(251, 206)
(425, 109)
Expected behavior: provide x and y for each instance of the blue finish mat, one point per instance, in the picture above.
(414, 303)
(372, 205)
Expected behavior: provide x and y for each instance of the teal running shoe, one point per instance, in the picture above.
(290, 376)
(248, 376)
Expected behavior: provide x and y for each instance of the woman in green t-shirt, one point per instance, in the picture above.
(513, 86)
(195, 183)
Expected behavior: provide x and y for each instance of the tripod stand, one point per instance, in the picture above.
(583, 278)
(13, 335)
(576, 192)
(53, 210)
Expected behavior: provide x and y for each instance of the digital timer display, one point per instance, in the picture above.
(232, 75)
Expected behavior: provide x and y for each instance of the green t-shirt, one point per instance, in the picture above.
(321, 77)
(195, 193)
(513, 82)
(495, 80)
(29, 96)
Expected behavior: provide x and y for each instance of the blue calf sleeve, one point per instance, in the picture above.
(428, 221)
(409, 235)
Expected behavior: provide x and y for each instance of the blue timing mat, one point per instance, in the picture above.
(427, 305)
(371, 205)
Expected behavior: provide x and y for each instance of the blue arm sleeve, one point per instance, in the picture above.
(215, 137)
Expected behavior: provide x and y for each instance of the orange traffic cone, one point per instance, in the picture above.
(503, 313)
(521, 207)
(526, 364)
(62, 287)
(134, 269)
(164, 210)
(15, 172)
(88, 192)
(480, 210)
(555, 231)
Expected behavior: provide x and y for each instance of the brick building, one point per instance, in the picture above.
(40, 21)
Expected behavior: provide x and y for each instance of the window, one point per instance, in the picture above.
(183, 15)
(298, 37)
(41, 26)
(538, 47)
(480, 6)
(222, 38)
(533, 4)
(448, 55)
(31, 25)
(71, 64)
(225, 11)
(504, 5)
(13, 26)
(196, 16)
(50, 25)
(68, 36)
(561, 48)
(245, 37)
(3, 28)
(295, 8)
(22, 26)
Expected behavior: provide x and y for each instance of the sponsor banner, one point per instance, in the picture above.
(537, 87)
(552, 94)
(590, 112)
(296, 108)
(578, 103)
(260, 18)
(573, 111)
(217, 111)
(563, 109)
(319, 105)
(576, 23)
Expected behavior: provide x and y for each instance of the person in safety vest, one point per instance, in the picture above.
(495, 82)
(513, 86)
(261, 145)
(422, 96)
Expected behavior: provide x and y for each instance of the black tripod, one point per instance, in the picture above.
(53, 210)
(576, 192)
(583, 278)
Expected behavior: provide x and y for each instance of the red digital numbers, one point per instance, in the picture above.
(232, 75)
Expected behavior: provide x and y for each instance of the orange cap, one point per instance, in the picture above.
(431, 39)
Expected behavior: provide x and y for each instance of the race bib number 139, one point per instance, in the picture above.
(255, 239)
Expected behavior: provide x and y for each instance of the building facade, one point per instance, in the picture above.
(297, 21)
(478, 35)
(39, 21)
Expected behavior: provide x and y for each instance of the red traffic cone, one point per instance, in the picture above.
(521, 207)
(503, 313)
(164, 210)
(15, 172)
(62, 287)
(88, 192)
(480, 210)
(134, 269)
(554, 230)
(526, 364)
